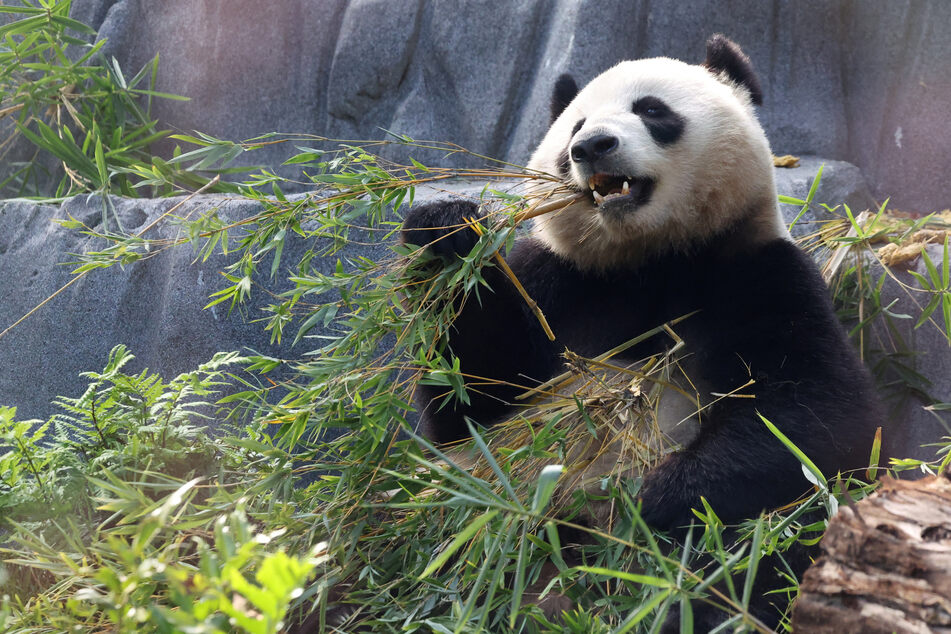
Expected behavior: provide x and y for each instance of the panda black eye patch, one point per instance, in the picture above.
(664, 125)
(563, 160)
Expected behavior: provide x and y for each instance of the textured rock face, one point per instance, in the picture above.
(865, 82)
(153, 306)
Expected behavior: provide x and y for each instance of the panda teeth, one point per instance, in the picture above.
(591, 183)
(625, 189)
(598, 198)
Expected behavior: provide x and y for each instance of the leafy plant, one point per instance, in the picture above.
(386, 531)
(125, 513)
(60, 94)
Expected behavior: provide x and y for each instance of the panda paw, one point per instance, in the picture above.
(441, 227)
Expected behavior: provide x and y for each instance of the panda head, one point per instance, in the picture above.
(668, 156)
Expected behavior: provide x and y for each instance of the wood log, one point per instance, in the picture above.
(886, 564)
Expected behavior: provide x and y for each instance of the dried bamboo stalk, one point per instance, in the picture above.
(538, 209)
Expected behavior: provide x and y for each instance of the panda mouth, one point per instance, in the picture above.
(607, 189)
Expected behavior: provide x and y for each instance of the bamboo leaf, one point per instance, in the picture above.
(945, 264)
(753, 565)
(933, 275)
(875, 457)
(800, 456)
(460, 540)
(490, 459)
(648, 608)
(928, 310)
(100, 158)
(645, 580)
(547, 481)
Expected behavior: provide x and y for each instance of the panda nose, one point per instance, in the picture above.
(590, 150)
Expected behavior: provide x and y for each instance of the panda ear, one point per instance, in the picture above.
(565, 91)
(725, 56)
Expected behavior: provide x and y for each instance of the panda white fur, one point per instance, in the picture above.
(680, 216)
(687, 143)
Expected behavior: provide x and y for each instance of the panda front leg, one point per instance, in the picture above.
(501, 349)
(734, 463)
(740, 469)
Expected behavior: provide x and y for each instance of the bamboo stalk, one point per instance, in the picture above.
(540, 209)
(532, 304)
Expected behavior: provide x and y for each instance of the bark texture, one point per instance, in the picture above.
(886, 564)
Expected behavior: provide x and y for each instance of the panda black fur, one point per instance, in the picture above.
(696, 228)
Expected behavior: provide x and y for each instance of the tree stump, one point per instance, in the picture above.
(886, 564)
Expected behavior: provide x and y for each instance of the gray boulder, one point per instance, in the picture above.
(840, 183)
(154, 306)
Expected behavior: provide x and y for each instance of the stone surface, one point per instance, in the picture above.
(898, 98)
(925, 351)
(840, 183)
(153, 306)
(865, 82)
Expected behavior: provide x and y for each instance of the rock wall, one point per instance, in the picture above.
(864, 81)
(154, 306)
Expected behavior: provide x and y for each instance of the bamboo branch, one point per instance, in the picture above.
(540, 208)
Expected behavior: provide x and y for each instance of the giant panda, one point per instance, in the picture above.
(678, 215)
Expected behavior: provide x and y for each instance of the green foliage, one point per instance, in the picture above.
(938, 286)
(121, 423)
(858, 278)
(168, 528)
(82, 113)
(124, 513)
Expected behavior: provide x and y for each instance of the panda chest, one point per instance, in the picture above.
(637, 335)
